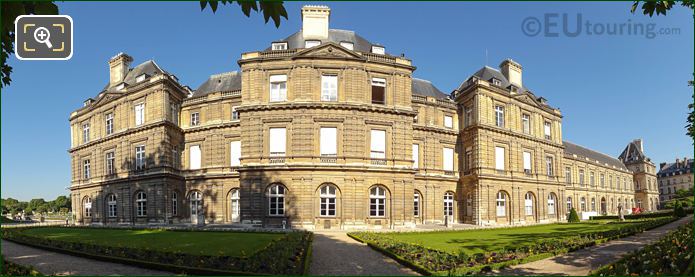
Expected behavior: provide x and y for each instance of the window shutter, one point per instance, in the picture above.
(328, 141)
(235, 153)
(416, 155)
(448, 155)
(278, 140)
(378, 144)
(499, 158)
(195, 157)
(527, 160)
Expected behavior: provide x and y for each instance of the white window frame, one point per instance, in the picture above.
(112, 205)
(448, 121)
(277, 142)
(526, 156)
(499, 158)
(378, 50)
(235, 204)
(86, 169)
(348, 45)
(141, 204)
(549, 161)
(327, 201)
(329, 88)
(581, 177)
(109, 123)
(311, 43)
(278, 46)
(416, 156)
(568, 175)
(278, 88)
(195, 154)
(85, 133)
(377, 144)
(449, 204)
(377, 201)
(276, 200)
(110, 160)
(87, 207)
(526, 123)
(195, 119)
(235, 153)
(528, 204)
(569, 204)
(140, 78)
(139, 114)
(235, 114)
(140, 157)
(499, 116)
(448, 159)
(551, 204)
(547, 129)
(501, 204)
(328, 141)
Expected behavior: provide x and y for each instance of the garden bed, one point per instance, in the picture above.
(188, 252)
(641, 215)
(671, 255)
(541, 242)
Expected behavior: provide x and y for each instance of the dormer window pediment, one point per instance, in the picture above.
(378, 50)
(140, 78)
(280, 45)
(496, 82)
(121, 86)
(348, 45)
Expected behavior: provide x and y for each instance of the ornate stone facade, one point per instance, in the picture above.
(326, 130)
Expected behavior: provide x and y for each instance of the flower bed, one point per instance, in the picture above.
(285, 256)
(672, 255)
(430, 261)
(641, 216)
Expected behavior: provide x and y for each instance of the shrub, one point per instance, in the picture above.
(13, 269)
(679, 211)
(573, 217)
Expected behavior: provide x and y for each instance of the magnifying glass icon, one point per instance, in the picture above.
(42, 35)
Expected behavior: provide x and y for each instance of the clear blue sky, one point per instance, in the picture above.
(611, 89)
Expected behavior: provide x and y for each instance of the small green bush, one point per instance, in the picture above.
(679, 211)
(573, 217)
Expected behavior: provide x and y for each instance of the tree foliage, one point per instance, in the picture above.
(659, 7)
(39, 205)
(573, 217)
(270, 9)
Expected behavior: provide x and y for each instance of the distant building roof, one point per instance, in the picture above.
(633, 153)
(573, 149)
(296, 40)
(228, 81)
(426, 88)
(676, 168)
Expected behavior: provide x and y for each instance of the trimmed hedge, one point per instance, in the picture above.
(671, 255)
(641, 216)
(428, 261)
(286, 256)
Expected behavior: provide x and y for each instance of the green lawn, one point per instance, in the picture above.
(484, 240)
(205, 243)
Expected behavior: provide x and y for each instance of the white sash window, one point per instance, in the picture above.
(195, 157)
(378, 144)
(499, 158)
(329, 88)
(329, 141)
(448, 155)
(235, 153)
(278, 88)
(278, 141)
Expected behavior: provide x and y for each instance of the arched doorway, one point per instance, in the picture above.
(604, 206)
(449, 206)
(235, 210)
(197, 213)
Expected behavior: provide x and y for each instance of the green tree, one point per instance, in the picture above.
(35, 203)
(573, 217)
(12, 9)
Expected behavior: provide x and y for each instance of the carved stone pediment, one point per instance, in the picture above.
(525, 98)
(328, 50)
(105, 98)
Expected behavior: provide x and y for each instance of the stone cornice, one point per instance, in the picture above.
(320, 105)
(510, 133)
(435, 129)
(210, 127)
(125, 133)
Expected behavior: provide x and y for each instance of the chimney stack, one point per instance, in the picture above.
(512, 71)
(315, 22)
(118, 68)
(638, 142)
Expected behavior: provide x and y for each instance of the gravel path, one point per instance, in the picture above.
(334, 253)
(51, 263)
(581, 262)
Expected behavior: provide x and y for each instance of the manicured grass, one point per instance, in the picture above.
(486, 240)
(234, 244)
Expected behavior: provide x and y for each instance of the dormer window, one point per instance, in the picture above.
(496, 82)
(348, 45)
(140, 78)
(279, 45)
(378, 50)
(121, 86)
(311, 43)
(513, 89)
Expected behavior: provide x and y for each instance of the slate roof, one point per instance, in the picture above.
(571, 148)
(632, 153)
(676, 169)
(296, 40)
(488, 73)
(228, 81)
(426, 88)
(149, 67)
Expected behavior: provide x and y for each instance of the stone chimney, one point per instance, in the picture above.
(512, 71)
(638, 142)
(315, 22)
(118, 68)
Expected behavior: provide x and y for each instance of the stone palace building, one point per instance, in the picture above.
(675, 176)
(326, 130)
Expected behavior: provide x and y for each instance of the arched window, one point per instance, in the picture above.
(569, 204)
(593, 204)
(449, 204)
(276, 200)
(416, 204)
(328, 200)
(501, 203)
(174, 203)
(196, 203)
(377, 201)
(141, 204)
(583, 204)
(528, 203)
(551, 203)
(87, 206)
(111, 202)
(234, 205)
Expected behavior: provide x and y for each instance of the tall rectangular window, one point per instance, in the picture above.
(85, 133)
(194, 155)
(499, 158)
(378, 144)
(195, 119)
(591, 179)
(448, 121)
(526, 123)
(568, 175)
(174, 112)
(581, 177)
(549, 165)
(235, 113)
(416, 155)
(110, 163)
(109, 123)
(527, 162)
(140, 157)
(378, 91)
(175, 157)
(448, 159)
(603, 180)
(469, 158)
(235, 153)
(278, 141)
(499, 116)
(329, 141)
(329, 88)
(546, 129)
(139, 114)
(469, 116)
(86, 170)
(278, 88)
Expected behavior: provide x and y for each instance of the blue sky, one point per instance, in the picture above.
(610, 88)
